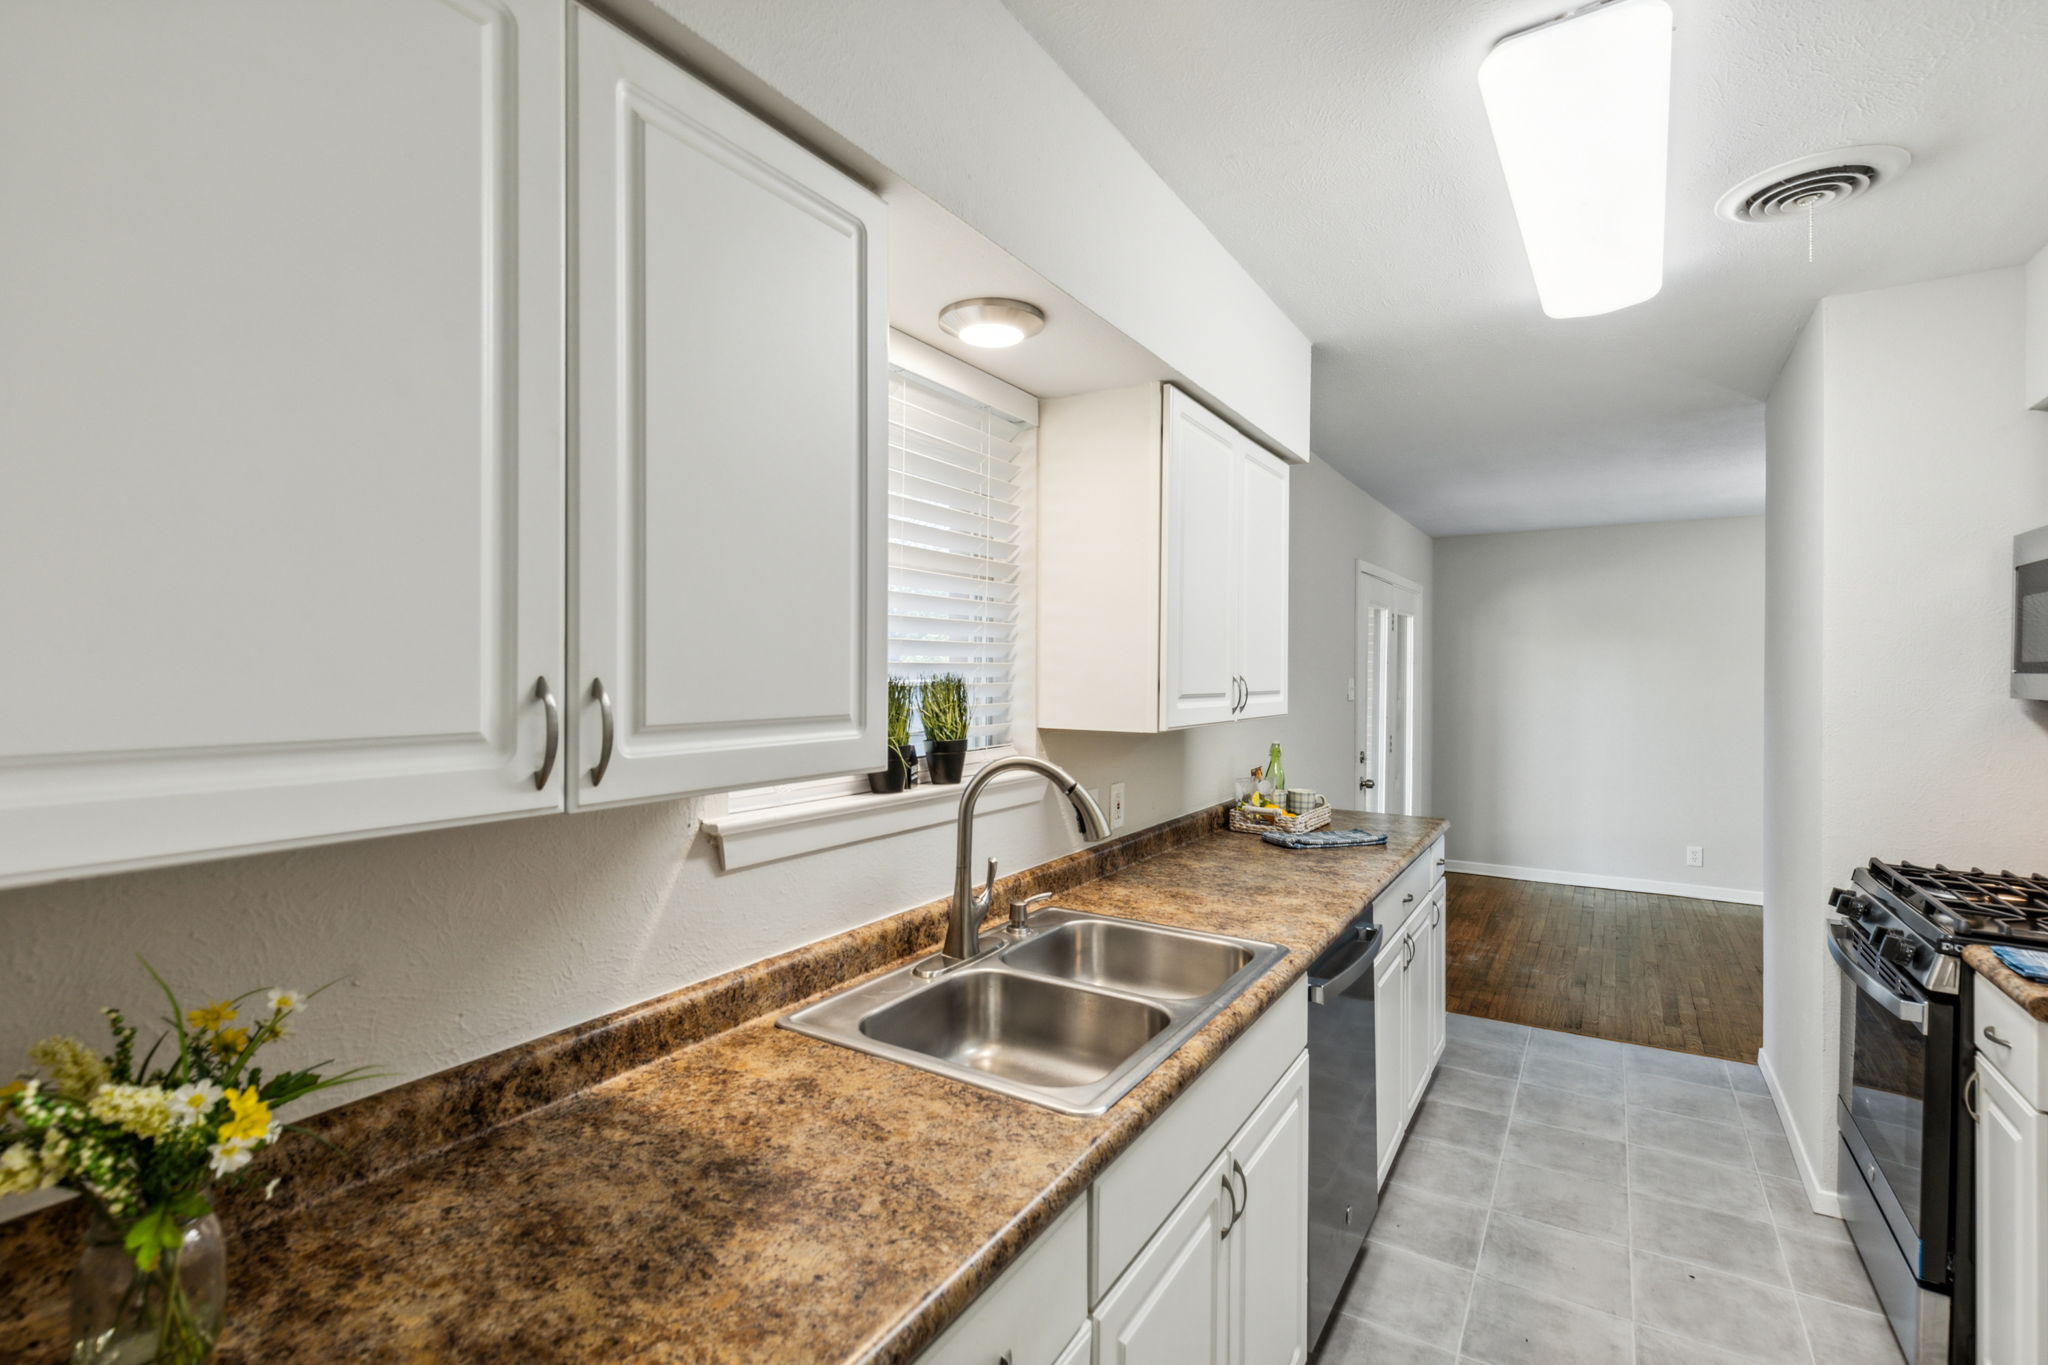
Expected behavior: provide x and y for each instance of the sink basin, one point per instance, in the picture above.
(1124, 956)
(1023, 1028)
(1071, 1016)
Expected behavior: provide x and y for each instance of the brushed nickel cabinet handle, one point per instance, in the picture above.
(546, 697)
(1244, 1205)
(604, 743)
(1991, 1035)
(1230, 1193)
(1969, 1090)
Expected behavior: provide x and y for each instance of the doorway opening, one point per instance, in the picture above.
(1388, 606)
(1387, 610)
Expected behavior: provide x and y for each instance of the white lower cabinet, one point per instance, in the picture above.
(1269, 1251)
(1409, 993)
(1191, 1248)
(2012, 1183)
(1036, 1314)
(1172, 1306)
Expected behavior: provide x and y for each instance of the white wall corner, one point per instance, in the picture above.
(1815, 1173)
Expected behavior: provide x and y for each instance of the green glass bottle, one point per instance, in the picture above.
(1275, 774)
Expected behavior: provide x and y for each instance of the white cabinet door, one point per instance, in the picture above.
(1202, 564)
(1390, 1049)
(1262, 584)
(1269, 1245)
(731, 455)
(1416, 1057)
(281, 505)
(1432, 965)
(1172, 1306)
(2012, 1223)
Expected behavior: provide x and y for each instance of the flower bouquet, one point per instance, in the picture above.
(145, 1144)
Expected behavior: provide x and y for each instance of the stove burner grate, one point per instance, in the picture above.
(1988, 904)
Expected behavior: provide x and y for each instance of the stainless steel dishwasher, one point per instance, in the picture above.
(1343, 1139)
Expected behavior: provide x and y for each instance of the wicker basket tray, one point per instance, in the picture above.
(1265, 820)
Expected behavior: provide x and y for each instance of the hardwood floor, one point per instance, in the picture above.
(1663, 971)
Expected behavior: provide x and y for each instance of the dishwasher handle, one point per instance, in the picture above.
(1321, 987)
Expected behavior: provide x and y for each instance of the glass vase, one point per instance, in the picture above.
(169, 1315)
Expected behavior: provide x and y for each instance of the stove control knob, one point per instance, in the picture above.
(1848, 902)
(1896, 948)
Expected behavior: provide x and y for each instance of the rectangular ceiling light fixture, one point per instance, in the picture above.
(1581, 113)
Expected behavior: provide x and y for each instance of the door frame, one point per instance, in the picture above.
(1360, 622)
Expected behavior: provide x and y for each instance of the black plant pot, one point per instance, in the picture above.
(900, 773)
(948, 757)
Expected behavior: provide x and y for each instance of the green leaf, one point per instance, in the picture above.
(150, 1236)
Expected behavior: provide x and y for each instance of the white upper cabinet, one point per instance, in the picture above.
(281, 496)
(1163, 572)
(730, 455)
(1199, 631)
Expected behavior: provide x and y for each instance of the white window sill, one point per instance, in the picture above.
(763, 836)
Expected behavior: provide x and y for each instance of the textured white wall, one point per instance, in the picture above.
(1908, 488)
(1801, 1021)
(456, 943)
(1600, 701)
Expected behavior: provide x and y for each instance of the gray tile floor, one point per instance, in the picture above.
(1570, 1201)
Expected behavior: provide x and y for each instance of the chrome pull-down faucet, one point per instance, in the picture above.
(963, 922)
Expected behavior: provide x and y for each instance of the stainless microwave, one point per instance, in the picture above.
(2030, 615)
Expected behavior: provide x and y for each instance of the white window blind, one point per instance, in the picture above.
(956, 485)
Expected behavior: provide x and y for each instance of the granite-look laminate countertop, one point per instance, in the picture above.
(756, 1195)
(2031, 995)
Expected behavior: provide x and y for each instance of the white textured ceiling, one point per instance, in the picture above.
(1339, 150)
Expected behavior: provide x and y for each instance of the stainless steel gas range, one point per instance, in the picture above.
(1904, 1120)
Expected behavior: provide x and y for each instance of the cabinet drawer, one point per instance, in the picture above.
(1393, 907)
(1141, 1187)
(2011, 1038)
(1033, 1312)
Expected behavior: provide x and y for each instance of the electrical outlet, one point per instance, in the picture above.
(1116, 805)
(1695, 856)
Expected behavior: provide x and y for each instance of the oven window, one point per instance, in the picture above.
(1888, 1099)
(2030, 618)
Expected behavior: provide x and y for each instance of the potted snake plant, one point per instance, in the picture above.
(902, 769)
(942, 706)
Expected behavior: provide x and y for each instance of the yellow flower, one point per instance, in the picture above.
(214, 1017)
(251, 1121)
(76, 1068)
(232, 1039)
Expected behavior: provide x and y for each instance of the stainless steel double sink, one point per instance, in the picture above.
(1070, 1014)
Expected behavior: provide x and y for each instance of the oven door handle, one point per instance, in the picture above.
(1913, 1012)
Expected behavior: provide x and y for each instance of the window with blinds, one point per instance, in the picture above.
(959, 476)
(955, 502)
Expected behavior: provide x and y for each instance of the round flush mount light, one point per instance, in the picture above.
(991, 322)
(1811, 183)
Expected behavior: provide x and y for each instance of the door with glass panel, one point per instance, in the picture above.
(1388, 606)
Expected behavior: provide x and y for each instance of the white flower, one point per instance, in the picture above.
(20, 1172)
(232, 1155)
(286, 1001)
(143, 1110)
(190, 1104)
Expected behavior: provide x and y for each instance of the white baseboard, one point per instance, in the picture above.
(1821, 1197)
(1605, 883)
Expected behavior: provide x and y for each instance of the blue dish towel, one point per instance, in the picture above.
(2031, 963)
(1324, 838)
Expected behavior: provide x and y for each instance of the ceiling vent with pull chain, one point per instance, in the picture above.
(1812, 182)
(1802, 187)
